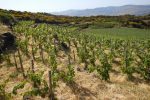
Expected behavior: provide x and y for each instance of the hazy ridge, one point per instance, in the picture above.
(109, 11)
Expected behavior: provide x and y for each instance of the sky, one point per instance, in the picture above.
(60, 5)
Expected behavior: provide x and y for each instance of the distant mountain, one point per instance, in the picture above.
(110, 11)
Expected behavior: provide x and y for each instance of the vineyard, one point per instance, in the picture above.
(58, 62)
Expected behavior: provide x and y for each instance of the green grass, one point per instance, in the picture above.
(121, 33)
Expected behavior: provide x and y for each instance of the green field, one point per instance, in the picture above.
(119, 33)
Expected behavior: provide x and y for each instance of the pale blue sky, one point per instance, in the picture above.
(60, 5)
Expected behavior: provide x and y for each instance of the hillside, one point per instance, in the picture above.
(10, 17)
(109, 11)
(74, 58)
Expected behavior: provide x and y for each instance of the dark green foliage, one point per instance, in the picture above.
(36, 78)
(144, 67)
(43, 91)
(91, 68)
(127, 68)
(18, 86)
(104, 70)
(6, 18)
(70, 74)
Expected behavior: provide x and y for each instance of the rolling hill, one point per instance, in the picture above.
(109, 11)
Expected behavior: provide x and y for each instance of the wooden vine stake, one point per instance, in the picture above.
(69, 59)
(15, 61)
(32, 51)
(51, 95)
(32, 65)
(20, 59)
(33, 55)
(41, 53)
(74, 58)
(8, 59)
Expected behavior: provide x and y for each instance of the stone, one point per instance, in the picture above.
(7, 40)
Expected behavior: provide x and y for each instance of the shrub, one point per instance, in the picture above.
(6, 19)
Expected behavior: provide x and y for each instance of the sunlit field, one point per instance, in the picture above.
(120, 33)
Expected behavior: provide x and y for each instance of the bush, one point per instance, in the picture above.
(6, 19)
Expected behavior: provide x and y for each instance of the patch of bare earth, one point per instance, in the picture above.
(4, 28)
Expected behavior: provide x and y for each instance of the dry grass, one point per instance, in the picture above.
(3, 28)
(87, 86)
